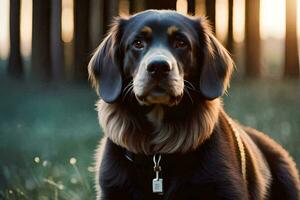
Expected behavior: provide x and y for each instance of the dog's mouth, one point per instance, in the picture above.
(159, 95)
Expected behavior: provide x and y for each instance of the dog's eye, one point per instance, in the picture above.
(138, 44)
(180, 44)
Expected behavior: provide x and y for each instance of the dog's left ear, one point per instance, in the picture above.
(104, 68)
(217, 65)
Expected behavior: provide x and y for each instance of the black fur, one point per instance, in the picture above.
(211, 171)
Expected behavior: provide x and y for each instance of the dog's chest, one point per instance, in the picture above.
(177, 184)
(195, 175)
(182, 178)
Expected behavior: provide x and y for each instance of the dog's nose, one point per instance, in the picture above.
(158, 68)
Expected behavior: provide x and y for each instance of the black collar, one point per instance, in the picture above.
(138, 159)
(167, 160)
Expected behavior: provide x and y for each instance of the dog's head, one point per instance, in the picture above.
(159, 55)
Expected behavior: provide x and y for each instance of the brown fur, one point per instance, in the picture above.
(125, 130)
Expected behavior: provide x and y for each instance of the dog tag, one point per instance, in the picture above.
(157, 185)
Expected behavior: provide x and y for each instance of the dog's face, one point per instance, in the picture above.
(160, 55)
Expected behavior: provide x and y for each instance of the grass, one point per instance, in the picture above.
(48, 132)
(44, 130)
(270, 106)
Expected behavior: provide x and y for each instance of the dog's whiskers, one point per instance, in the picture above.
(189, 84)
(188, 93)
(128, 85)
(128, 90)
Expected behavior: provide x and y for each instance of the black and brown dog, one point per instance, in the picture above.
(160, 76)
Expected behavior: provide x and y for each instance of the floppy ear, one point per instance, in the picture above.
(105, 66)
(217, 66)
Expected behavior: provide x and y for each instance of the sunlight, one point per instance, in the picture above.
(222, 19)
(272, 19)
(298, 18)
(123, 7)
(200, 7)
(238, 20)
(67, 21)
(4, 30)
(26, 27)
(182, 6)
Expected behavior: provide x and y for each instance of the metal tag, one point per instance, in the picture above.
(157, 185)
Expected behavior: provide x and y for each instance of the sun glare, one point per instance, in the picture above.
(182, 6)
(238, 20)
(200, 7)
(221, 19)
(4, 30)
(26, 27)
(298, 18)
(124, 7)
(272, 19)
(67, 21)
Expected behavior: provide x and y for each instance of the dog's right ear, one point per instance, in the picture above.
(218, 65)
(104, 68)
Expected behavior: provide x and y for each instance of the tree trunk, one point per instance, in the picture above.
(162, 4)
(57, 52)
(191, 7)
(15, 64)
(291, 45)
(41, 61)
(136, 6)
(253, 51)
(210, 6)
(230, 42)
(96, 23)
(81, 33)
(111, 10)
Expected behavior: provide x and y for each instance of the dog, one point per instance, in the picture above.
(160, 76)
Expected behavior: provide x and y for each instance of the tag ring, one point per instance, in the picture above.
(156, 161)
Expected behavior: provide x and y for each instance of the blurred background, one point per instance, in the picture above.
(48, 122)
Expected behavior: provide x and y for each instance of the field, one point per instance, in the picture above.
(48, 132)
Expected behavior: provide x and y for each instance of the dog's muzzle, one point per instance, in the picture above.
(158, 80)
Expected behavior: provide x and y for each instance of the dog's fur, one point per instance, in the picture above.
(178, 114)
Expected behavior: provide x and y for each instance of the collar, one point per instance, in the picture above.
(167, 160)
(138, 159)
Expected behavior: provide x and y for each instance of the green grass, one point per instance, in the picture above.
(270, 106)
(42, 128)
(45, 127)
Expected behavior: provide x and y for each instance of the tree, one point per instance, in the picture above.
(96, 23)
(136, 6)
(253, 51)
(291, 68)
(164, 4)
(41, 60)
(210, 6)
(111, 10)
(81, 36)
(57, 51)
(15, 64)
(191, 7)
(230, 42)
